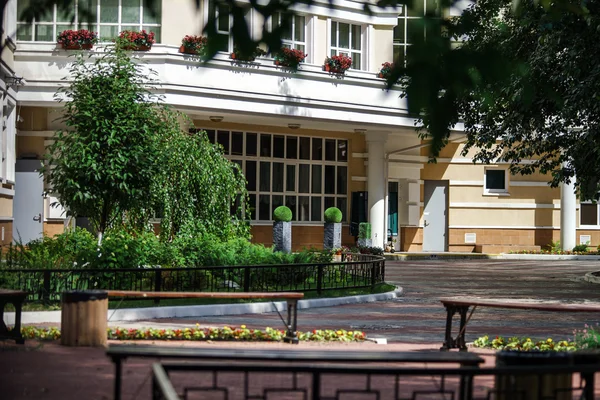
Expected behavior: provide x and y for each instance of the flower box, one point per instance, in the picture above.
(386, 70)
(136, 41)
(195, 45)
(337, 64)
(290, 58)
(237, 55)
(77, 40)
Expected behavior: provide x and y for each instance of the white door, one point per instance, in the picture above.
(28, 204)
(435, 216)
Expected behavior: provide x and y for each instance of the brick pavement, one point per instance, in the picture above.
(418, 317)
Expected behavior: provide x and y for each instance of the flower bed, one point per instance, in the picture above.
(524, 344)
(241, 333)
(138, 41)
(75, 40)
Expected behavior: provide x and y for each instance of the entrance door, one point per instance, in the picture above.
(28, 204)
(435, 216)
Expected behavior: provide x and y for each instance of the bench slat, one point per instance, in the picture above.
(519, 304)
(206, 295)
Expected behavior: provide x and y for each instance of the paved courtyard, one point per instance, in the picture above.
(418, 316)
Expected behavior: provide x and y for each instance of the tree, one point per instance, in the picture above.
(103, 164)
(542, 114)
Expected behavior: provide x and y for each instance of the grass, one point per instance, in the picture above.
(379, 288)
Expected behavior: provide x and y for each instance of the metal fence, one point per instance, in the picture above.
(252, 380)
(354, 271)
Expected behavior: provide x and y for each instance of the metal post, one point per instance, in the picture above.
(46, 291)
(157, 283)
(319, 279)
(246, 279)
(291, 335)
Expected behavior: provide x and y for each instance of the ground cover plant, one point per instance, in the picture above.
(241, 333)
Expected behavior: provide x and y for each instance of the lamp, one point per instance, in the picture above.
(293, 126)
(216, 118)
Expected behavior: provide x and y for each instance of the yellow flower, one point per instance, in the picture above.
(243, 326)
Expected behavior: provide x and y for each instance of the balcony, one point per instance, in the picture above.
(222, 85)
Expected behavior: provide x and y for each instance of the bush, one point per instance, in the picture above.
(333, 214)
(364, 230)
(581, 248)
(282, 213)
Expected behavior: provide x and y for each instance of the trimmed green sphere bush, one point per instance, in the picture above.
(333, 214)
(282, 213)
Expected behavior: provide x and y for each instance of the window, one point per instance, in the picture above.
(109, 18)
(293, 30)
(588, 214)
(495, 181)
(219, 12)
(307, 174)
(410, 23)
(346, 39)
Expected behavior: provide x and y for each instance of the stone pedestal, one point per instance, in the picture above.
(282, 236)
(332, 238)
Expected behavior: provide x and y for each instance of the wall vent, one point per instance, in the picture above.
(585, 239)
(470, 238)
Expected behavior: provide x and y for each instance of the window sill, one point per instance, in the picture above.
(499, 194)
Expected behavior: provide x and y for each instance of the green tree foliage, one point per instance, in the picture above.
(544, 107)
(103, 164)
(198, 191)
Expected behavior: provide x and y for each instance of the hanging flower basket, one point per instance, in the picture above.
(195, 45)
(237, 55)
(290, 58)
(77, 40)
(337, 64)
(136, 41)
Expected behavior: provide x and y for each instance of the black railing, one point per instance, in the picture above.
(255, 380)
(355, 271)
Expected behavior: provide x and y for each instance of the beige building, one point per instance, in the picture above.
(308, 140)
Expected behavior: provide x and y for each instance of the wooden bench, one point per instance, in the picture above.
(16, 298)
(291, 298)
(118, 353)
(461, 306)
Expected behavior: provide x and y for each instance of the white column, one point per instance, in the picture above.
(376, 181)
(568, 215)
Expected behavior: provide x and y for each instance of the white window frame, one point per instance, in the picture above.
(76, 24)
(288, 161)
(249, 19)
(336, 50)
(404, 45)
(294, 43)
(495, 192)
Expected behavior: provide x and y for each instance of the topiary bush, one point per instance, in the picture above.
(283, 214)
(364, 230)
(333, 215)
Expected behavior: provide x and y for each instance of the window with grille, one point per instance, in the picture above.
(306, 174)
(346, 39)
(109, 18)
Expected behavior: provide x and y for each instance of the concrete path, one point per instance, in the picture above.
(418, 317)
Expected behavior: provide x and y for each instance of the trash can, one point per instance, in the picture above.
(84, 319)
(534, 386)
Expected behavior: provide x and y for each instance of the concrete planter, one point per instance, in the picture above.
(282, 236)
(365, 242)
(332, 238)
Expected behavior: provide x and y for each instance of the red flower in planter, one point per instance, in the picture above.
(338, 64)
(131, 40)
(287, 57)
(77, 39)
(193, 44)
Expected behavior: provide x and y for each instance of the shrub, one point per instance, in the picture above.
(588, 337)
(333, 214)
(364, 230)
(581, 248)
(282, 213)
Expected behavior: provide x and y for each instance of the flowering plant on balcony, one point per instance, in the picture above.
(81, 39)
(337, 64)
(193, 45)
(386, 70)
(131, 40)
(238, 56)
(291, 58)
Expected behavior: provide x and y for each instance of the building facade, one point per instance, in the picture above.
(308, 140)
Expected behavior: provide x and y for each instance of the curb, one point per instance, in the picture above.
(136, 314)
(479, 256)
